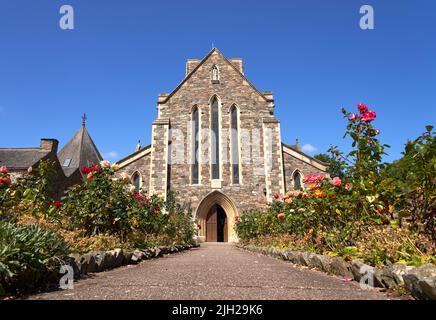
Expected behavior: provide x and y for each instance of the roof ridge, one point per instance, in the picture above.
(93, 144)
(305, 154)
(23, 148)
(83, 128)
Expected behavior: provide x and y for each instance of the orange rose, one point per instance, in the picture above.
(288, 201)
(281, 216)
(311, 186)
(318, 193)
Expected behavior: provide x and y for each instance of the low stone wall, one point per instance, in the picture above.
(419, 281)
(99, 261)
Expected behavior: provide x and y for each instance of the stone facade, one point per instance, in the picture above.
(264, 162)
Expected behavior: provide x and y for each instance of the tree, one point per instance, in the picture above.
(336, 169)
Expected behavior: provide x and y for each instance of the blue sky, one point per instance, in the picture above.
(122, 54)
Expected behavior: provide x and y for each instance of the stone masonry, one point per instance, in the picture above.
(266, 165)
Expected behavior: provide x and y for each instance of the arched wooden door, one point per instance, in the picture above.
(216, 225)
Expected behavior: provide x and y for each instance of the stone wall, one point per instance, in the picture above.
(198, 91)
(262, 173)
(140, 165)
(291, 164)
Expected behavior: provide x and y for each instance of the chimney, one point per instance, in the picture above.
(298, 145)
(238, 63)
(49, 145)
(191, 64)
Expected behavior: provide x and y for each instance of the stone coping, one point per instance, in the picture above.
(420, 282)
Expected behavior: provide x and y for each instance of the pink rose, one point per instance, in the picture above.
(353, 116)
(362, 108)
(104, 163)
(310, 178)
(320, 178)
(377, 131)
(3, 169)
(348, 186)
(369, 116)
(337, 182)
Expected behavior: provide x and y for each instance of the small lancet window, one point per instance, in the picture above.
(136, 181)
(215, 74)
(296, 177)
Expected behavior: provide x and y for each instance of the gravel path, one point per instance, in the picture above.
(214, 271)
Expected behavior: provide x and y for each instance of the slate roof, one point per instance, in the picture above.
(21, 158)
(81, 151)
(296, 149)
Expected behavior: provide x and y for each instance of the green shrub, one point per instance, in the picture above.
(364, 206)
(27, 254)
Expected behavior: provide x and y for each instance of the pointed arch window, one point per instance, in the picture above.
(234, 144)
(296, 177)
(215, 74)
(136, 179)
(195, 145)
(215, 139)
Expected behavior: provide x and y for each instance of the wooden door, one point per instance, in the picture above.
(211, 225)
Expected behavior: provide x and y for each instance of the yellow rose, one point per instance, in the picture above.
(115, 166)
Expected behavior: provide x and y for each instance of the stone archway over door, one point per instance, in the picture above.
(217, 202)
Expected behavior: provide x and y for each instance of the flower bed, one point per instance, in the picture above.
(379, 213)
(100, 214)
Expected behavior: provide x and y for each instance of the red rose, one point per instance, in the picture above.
(84, 170)
(5, 180)
(362, 108)
(236, 218)
(276, 196)
(199, 226)
(56, 204)
(369, 116)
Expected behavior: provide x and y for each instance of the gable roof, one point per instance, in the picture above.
(134, 156)
(293, 151)
(80, 150)
(21, 158)
(168, 96)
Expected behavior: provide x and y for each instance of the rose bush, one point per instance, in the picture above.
(102, 213)
(339, 215)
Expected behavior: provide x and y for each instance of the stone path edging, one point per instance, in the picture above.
(419, 281)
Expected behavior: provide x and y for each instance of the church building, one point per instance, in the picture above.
(216, 144)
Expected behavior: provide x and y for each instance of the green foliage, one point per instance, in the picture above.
(102, 212)
(412, 182)
(27, 253)
(380, 213)
(31, 193)
(105, 205)
(336, 167)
